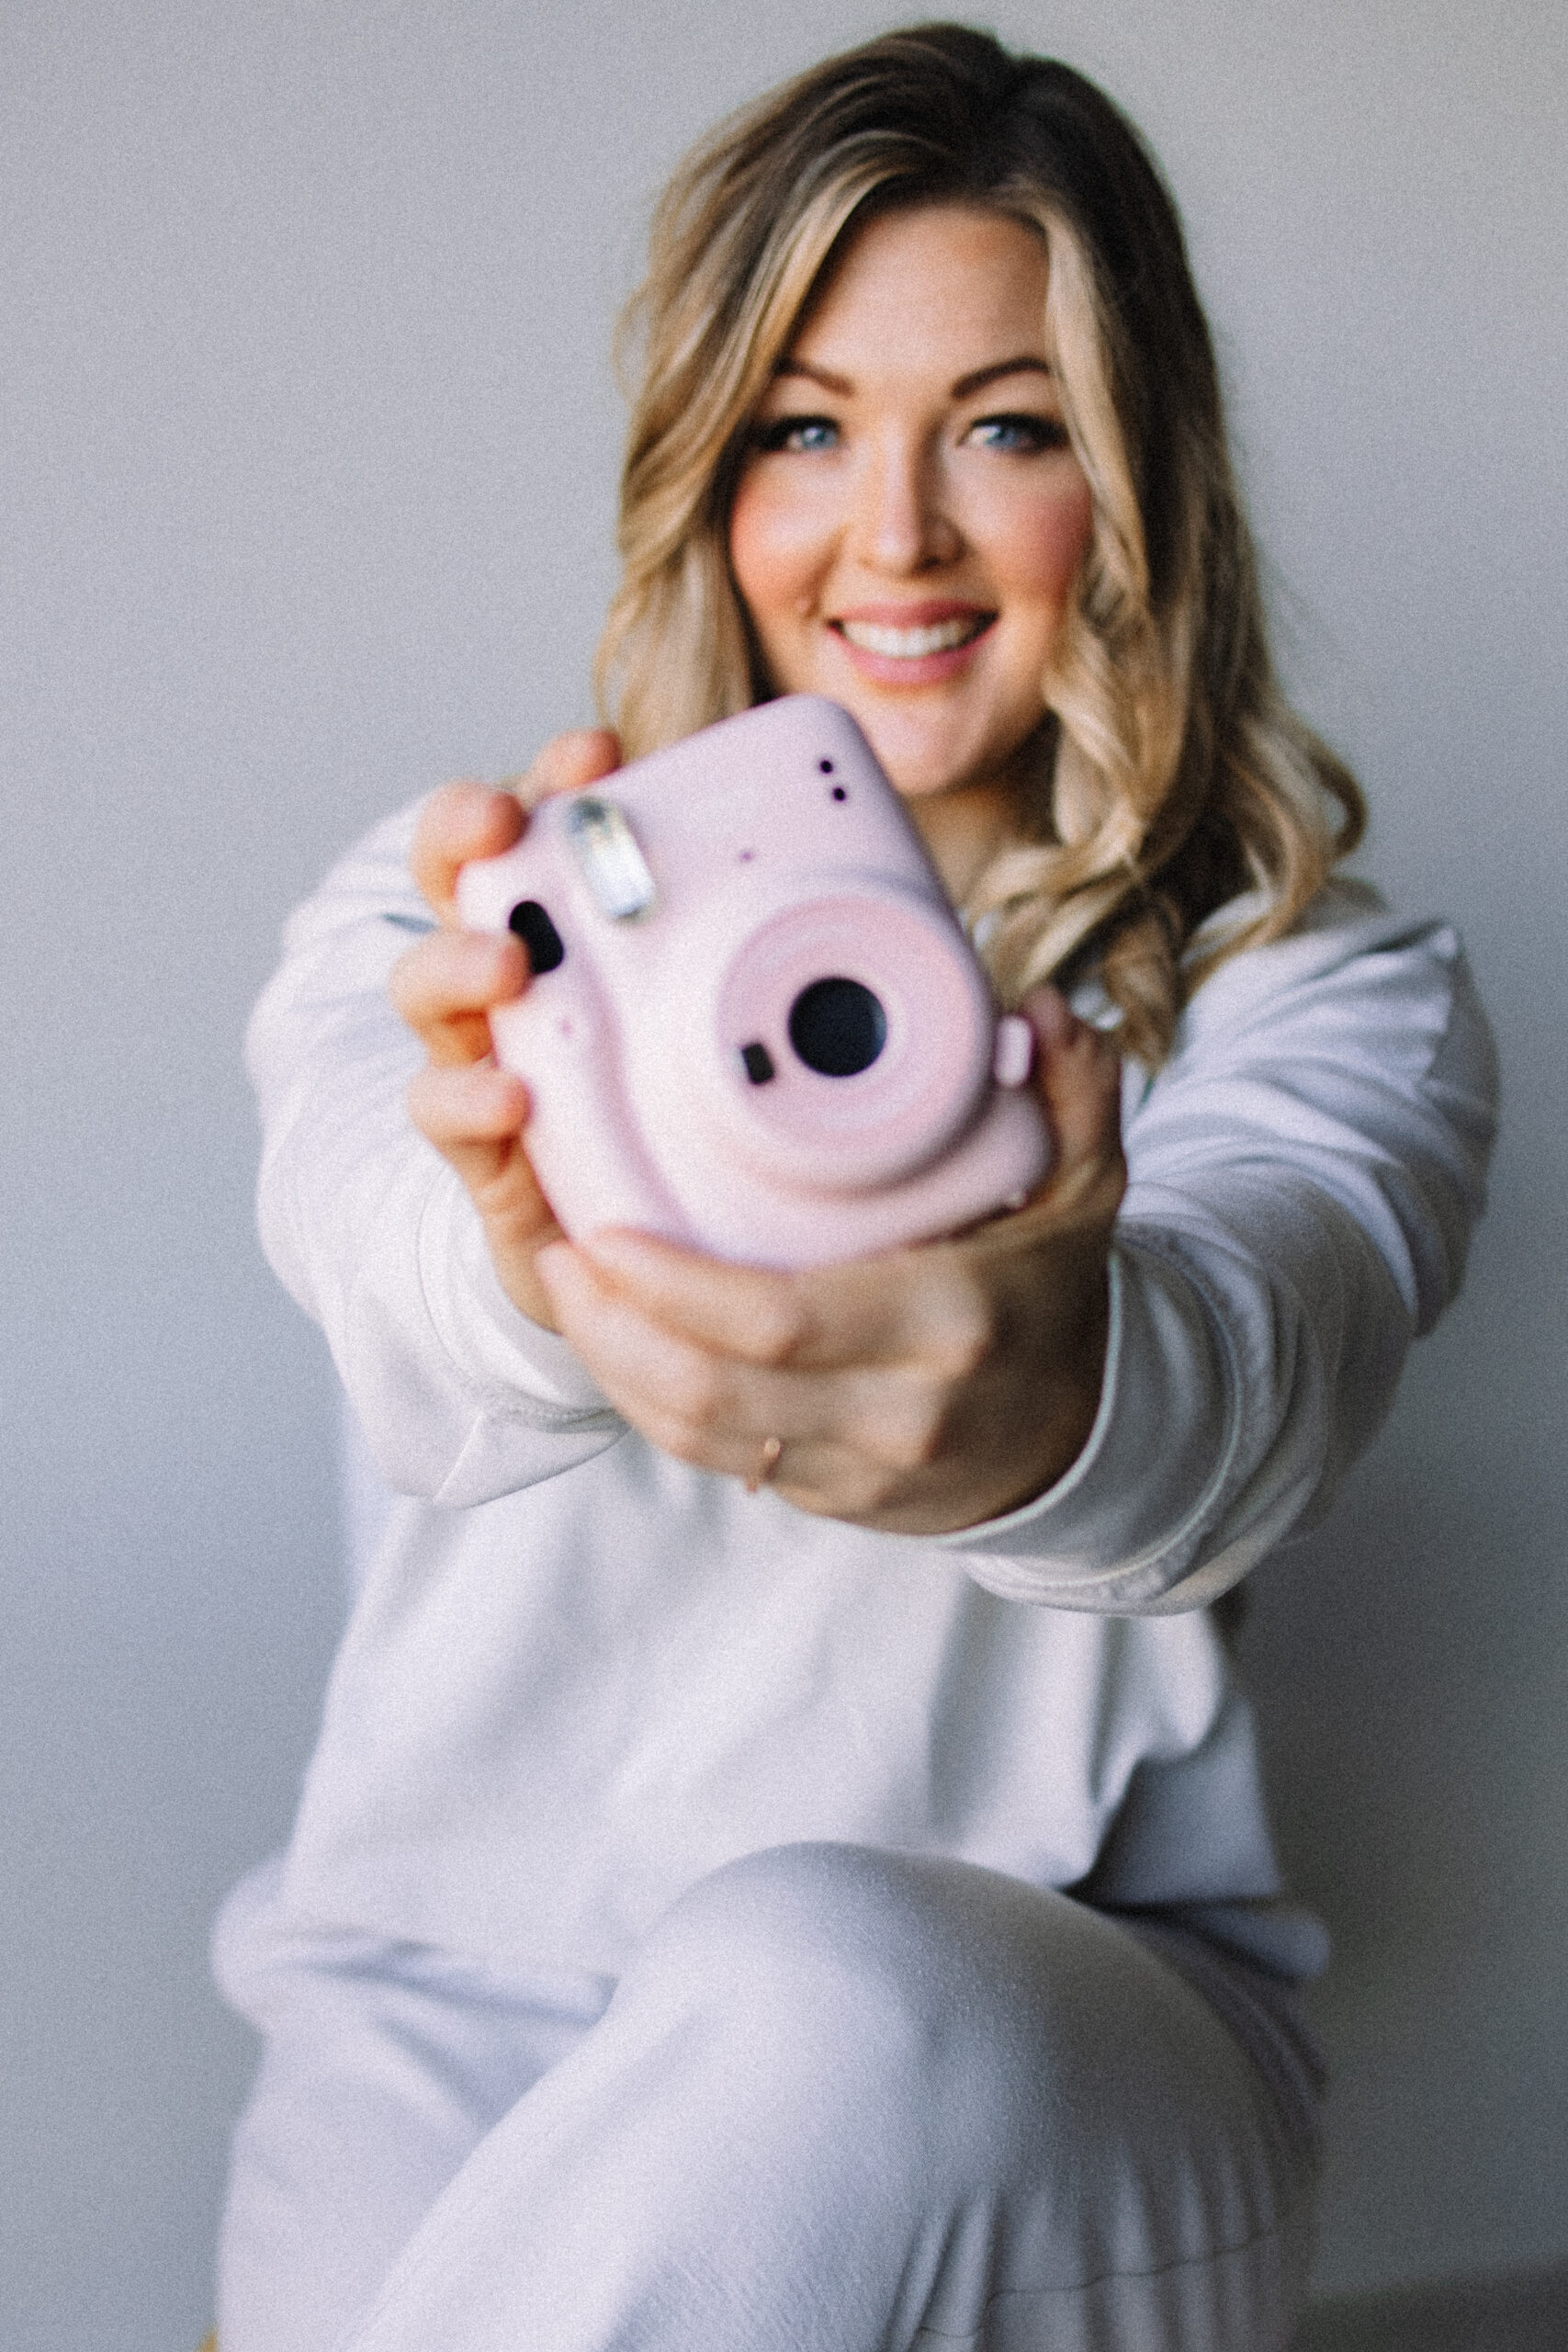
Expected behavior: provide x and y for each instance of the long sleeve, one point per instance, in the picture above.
(553, 1711)
(1304, 1175)
(461, 1398)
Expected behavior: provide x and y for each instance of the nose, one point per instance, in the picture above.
(902, 523)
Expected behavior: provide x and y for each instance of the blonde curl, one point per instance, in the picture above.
(1168, 776)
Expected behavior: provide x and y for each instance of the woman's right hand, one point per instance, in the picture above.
(463, 1101)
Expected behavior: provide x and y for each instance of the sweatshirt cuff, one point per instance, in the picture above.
(1120, 1524)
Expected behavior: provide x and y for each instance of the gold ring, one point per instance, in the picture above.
(773, 1447)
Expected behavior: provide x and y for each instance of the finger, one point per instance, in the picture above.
(474, 1118)
(445, 987)
(697, 1404)
(846, 1440)
(764, 1429)
(741, 1310)
(887, 1309)
(468, 820)
(459, 822)
(474, 1115)
(567, 762)
(1079, 1079)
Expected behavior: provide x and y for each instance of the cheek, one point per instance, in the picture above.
(1042, 542)
(775, 544)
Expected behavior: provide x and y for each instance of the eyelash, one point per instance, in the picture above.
(784, 431)
(1033, 435)
(1038, 432)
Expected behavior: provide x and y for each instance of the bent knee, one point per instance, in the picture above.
(883, 1971)
(797, 1926)
(1005, 2000)
(989, 2040)
(811, 1960)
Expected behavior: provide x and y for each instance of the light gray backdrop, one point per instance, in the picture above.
(309, 446)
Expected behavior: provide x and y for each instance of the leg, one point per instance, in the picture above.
(850, 2101)
(384, 2067)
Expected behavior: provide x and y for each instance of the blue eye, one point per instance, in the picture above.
(1021, 436)
(802, 433)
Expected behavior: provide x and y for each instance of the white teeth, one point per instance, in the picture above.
(910, 644)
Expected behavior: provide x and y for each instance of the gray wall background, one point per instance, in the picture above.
(308, 450)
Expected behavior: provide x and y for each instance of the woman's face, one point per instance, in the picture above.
(908, 522)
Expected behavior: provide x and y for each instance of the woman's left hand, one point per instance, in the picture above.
(919, 1392)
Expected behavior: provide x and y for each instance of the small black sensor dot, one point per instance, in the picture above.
(826, 766)
(839, 793)
(530, 922)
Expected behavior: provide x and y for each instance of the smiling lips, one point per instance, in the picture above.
(915, 646)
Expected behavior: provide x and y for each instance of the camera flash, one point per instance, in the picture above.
(613, 866)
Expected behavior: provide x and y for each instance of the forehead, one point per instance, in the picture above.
(944, 284)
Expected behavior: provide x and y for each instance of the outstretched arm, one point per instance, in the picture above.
(461, 1397)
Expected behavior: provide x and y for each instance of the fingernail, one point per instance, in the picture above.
(1013, 1056)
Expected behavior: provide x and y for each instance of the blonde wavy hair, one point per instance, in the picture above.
(1168, 776)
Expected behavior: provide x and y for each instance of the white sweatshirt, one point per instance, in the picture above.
(580, 1675)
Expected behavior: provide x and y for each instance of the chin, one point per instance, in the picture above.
(917, 767)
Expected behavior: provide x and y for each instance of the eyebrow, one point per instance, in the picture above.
(1024, 364)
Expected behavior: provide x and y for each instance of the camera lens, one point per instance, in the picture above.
(837, 1028)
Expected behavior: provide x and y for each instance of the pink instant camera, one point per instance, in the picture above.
(754, 1026)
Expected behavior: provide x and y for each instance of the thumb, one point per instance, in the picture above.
(1078, 1074)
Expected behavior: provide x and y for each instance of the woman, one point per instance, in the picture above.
(675, 1945)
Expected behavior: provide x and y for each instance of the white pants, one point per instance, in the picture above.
(843, 2102)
